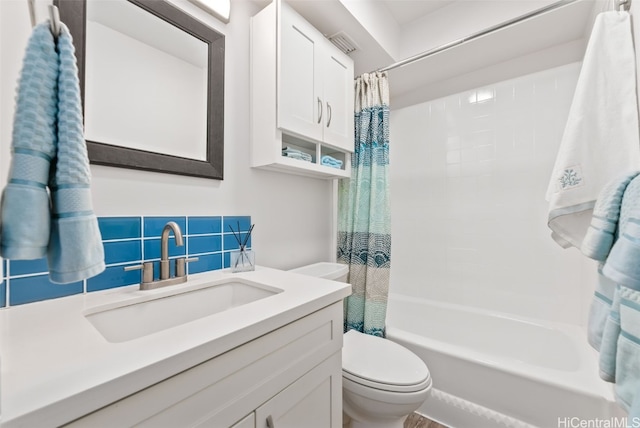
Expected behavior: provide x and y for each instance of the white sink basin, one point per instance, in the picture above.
(169, 308)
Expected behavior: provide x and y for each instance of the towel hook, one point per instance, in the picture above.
(621, 5)
(54, 17)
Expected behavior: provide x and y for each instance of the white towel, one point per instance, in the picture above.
(600, 139)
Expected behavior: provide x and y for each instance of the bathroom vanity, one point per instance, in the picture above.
(269, 352)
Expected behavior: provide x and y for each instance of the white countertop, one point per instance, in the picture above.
(55, 366)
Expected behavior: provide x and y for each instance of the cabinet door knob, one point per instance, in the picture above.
(270, 423)
(328, 114)
(319, 110)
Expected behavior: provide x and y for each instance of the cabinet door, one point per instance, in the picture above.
(299, 86)
(338, 96)
(313, 401)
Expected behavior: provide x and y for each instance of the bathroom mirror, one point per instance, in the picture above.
(152, 83)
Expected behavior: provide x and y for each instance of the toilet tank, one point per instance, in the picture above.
(334, 271)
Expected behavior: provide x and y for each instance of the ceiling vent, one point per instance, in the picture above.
(343, 42)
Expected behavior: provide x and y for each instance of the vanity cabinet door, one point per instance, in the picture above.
(313, 401)
(248, 422)
(300, 100)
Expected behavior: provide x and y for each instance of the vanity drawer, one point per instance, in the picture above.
(233, 384)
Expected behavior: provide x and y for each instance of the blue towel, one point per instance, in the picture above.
(628, 349)
(620, 345)
(604, 223)
(622, 264)
(600, 309)
(48, 149)
(596, 245)
(331, 161)
(25, 202)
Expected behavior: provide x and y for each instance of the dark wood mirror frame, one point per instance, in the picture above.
(73, 14)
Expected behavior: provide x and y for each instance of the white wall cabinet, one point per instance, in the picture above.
(292, 375)
(315, 84)
(301, 94)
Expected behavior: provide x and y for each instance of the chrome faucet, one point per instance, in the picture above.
(164, 247)
(148, 283)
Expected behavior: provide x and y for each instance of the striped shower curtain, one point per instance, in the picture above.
(364, 217)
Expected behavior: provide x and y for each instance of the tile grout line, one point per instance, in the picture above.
(6, 286)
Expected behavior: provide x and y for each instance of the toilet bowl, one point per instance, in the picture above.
(382, 381)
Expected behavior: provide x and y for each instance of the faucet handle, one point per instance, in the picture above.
(147, 271)
(180, 265)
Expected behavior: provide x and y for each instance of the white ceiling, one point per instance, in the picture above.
(405, 11)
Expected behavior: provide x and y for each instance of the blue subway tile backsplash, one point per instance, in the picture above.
(206, 262)
(3, 294)
(152, 249)
(204, 225)
(204, 244)
(153, 225)
(120, 227)
(26, 267)
(29, 289)
(233, 221)
(122, 251)
(114, 276)
(129, 241)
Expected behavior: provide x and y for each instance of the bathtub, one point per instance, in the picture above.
(497, 370)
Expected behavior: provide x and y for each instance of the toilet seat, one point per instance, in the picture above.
(381, 364)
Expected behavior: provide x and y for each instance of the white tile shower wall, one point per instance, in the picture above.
(468, 178)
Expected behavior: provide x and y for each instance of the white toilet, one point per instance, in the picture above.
(382, 382)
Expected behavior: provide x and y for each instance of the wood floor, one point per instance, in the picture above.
(416, 421)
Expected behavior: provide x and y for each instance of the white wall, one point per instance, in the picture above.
(293, 215)
(468, 178)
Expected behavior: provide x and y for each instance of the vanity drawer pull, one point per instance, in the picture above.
(270, 423)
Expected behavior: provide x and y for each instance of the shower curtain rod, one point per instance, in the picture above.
(619, 5)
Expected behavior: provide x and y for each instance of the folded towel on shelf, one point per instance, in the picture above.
(48, 150)
(296, 154)
(300, 156)
(598, 143)
(327, 160)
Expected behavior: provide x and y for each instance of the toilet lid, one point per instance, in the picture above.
(382, 364)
